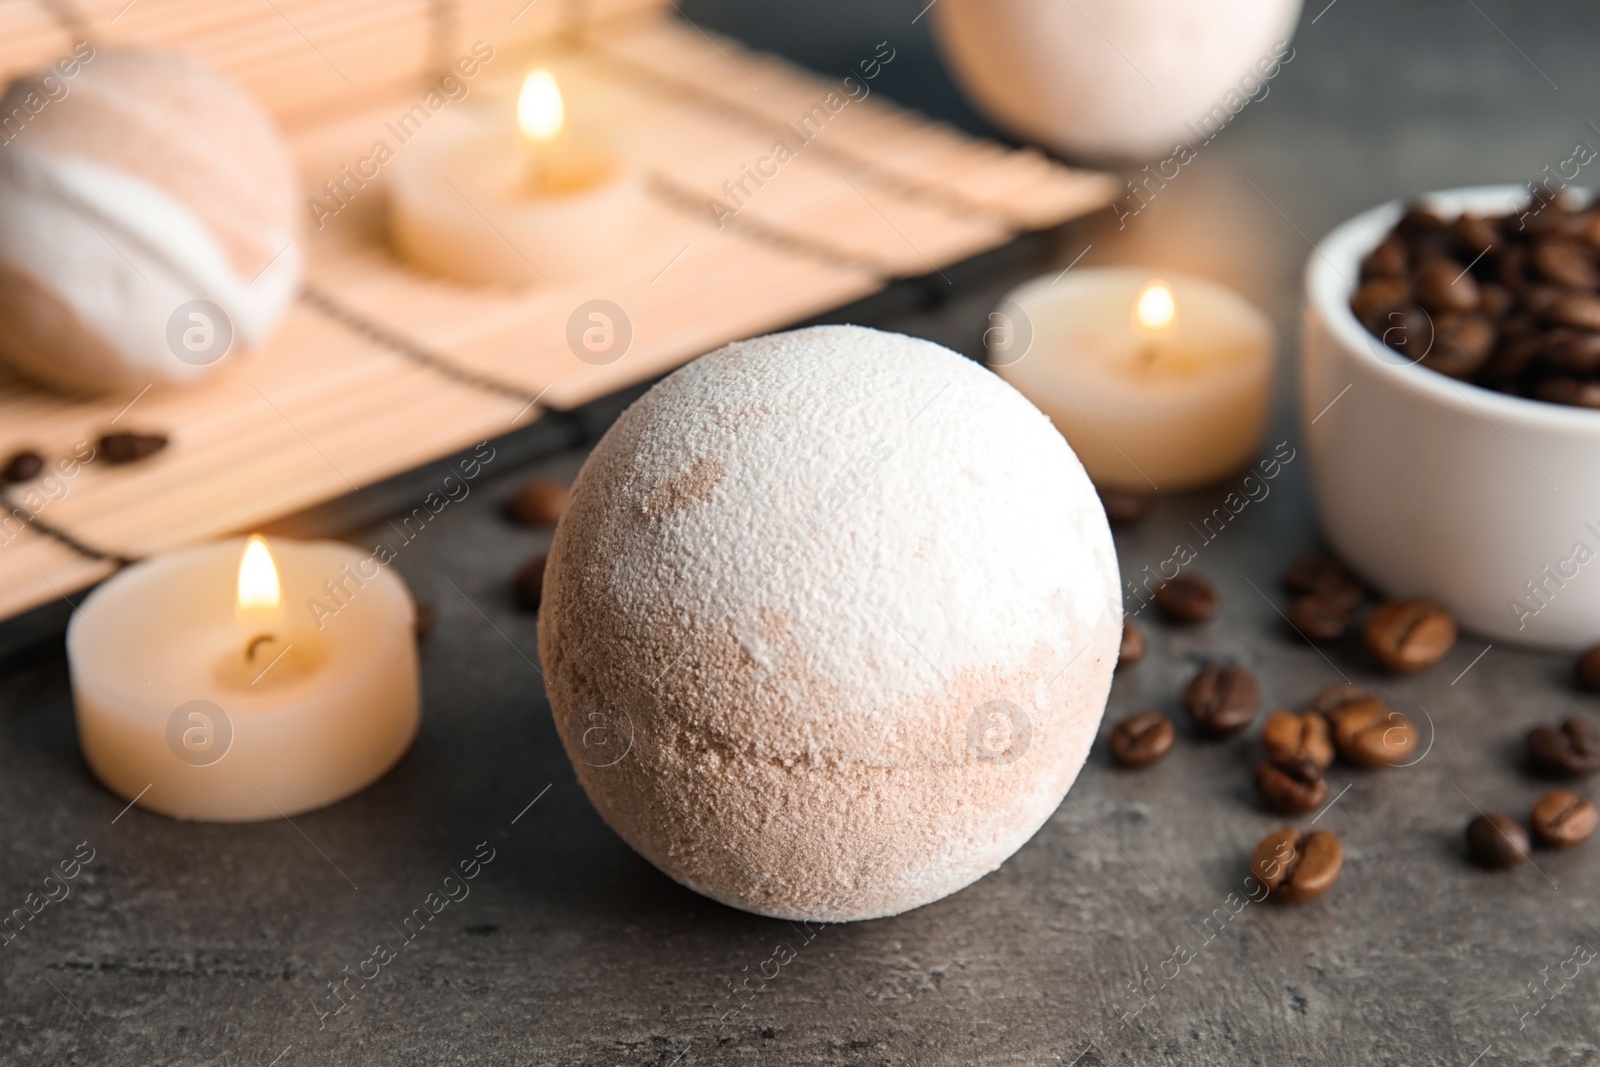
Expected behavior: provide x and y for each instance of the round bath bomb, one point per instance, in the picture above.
(829, 623)
(147, 221)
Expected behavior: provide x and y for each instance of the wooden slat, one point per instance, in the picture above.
(323, 409)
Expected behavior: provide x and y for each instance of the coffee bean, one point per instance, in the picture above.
(1588, 230)
(1566, 262)
(1142, 739)
(1511, 358)
(1475, 234)
(123, 447)
(1496, 841)
(1571, 750)
(1538, 300)
(1318, 617)
(1462, 345)
(1187, 599)
(1569, 391)
(1408, 331)
(1588, 670)
(1123, 509)
(23, 466)
(528, 586)
(1562, 819)
(1315, 574)
(1408, 635)
(1419, 225)
(540, 502)
(427, 618)
(1556, 216)
(1522, 317)
(1444, 285)
(1296, 869)
(1494, 300)
(1132, 649)
(1294, 788)
(1222, 699)
(1369, 733)
(1388, 260)
(1571, 352)
(1379, 296)
(1291, 738)
(1512, 269)
(1578, 310)
(1331, 698)
(1318, 573)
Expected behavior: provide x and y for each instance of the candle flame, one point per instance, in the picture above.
(258, 577)
(540, 112)
(1155, 309)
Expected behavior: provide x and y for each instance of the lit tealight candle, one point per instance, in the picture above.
(477, 201)
(203, 694)
(1156, 383)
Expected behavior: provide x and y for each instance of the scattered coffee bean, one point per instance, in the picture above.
(540, 502)
(1408, 635)
(1123, 509)
(1318, 617)
(1369, 733)
(1562, 819)
(1291, 738)
(1315, 573)
(1291, 788)
(1571, 750)
(123, 447)
(1331, 698)
(1222, 699)
(1297, 868)
(1142, 739)
(23, 466)
(427, 618)
(1132, 649)
(529, 584)
(1187, 599)
(1496, 841)
(1588, 670)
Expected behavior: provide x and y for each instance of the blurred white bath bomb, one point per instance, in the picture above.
(1128, 78)
(829, 623)
(147, 221)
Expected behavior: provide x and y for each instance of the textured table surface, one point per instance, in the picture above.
(195, 944)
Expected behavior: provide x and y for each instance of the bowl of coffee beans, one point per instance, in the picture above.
(1450, 396)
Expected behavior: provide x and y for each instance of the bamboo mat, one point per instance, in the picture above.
(324, 409)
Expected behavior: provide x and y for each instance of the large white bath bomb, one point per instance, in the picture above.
(147, 221)
(829, 623)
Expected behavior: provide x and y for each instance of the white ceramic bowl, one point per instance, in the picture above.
(1114, 77)
(1436, 488)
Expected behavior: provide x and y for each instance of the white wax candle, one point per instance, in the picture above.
(204, 704)
(479, 198)
(1168, 402)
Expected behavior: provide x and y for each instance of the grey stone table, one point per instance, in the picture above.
(196, 944)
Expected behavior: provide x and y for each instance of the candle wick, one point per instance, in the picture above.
(1149, 354)
(255, 643)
